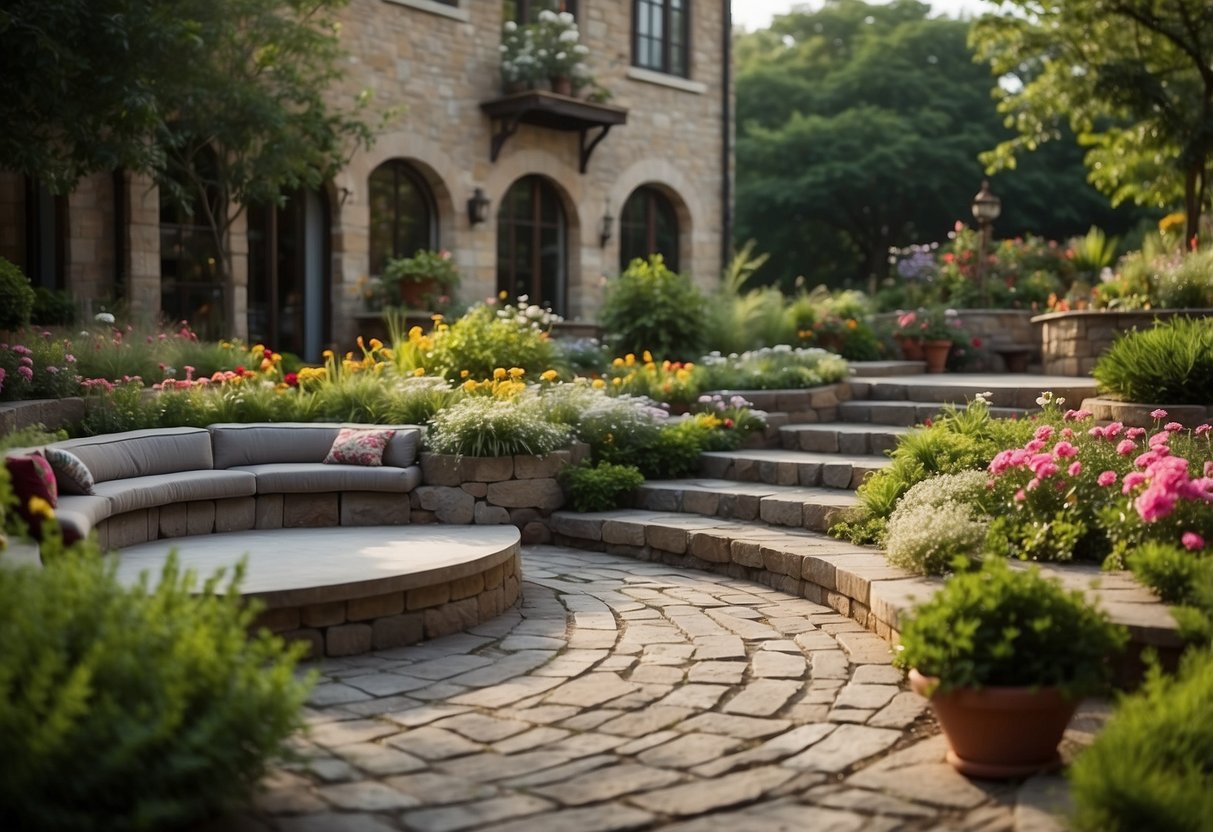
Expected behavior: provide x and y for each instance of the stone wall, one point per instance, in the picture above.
(1000, 330)
(493, 491)
(1072, 342)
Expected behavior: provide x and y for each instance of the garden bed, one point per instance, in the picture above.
(1071, 342)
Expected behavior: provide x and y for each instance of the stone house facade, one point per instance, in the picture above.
(574, 189)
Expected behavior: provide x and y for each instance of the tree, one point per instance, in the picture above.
(859, 128)
(1133, 79)
(223, 102)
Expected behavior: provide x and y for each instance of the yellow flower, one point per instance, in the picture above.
(852, 323)
(548, 375)
(266, 364)
(327, 354)
(598, 384)
(499, 373)
(387, 353)
(617, 381)
(419, 372)
(40, 508)
(629, 359)
(517, 372)
(618, 362)
(436, 318)
(415, 333)
(648, 357)
(503, 294)
(464, 373)
(361, 345)
(376, 344)
(470, 386)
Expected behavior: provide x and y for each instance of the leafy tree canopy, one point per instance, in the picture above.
(859, 127)
(1133, 79)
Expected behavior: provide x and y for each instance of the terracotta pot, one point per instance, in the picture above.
(562, 85)
(416, 294)
(911, 347)
(935, 353)
(998, 733)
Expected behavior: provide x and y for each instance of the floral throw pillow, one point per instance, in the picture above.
(354, 446)
(71, 473)
(33, 482)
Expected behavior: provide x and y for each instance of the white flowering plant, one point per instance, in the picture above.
(549, 48)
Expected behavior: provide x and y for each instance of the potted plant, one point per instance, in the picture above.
(520, 63)
(421, 280)
(561, 52)
(1005, 655)
(907, 336)
(939, 330)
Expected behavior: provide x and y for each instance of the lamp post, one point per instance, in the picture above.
(986, 207)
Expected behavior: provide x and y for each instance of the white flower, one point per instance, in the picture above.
(547, 16)
(511, 26)
(569, 36)
(103, 318)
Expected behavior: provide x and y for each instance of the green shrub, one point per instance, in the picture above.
(1004, 627)
(16, 297)
(52, 307)
(488, 426)
(487, 337)
(600, 487)
(1168, 570)
(1171, 363)
(1189, 285)
(1151, 767)
(772, 368)
(649, 307)
(133, 708)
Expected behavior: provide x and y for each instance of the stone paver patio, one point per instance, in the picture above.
(630, 695)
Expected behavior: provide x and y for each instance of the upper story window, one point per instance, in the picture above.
(661, 35)
(527, 11)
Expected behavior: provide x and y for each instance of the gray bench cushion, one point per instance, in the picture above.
(143, 453)
(82, 512)
(165, 489)
(262, 443)
(307, 477)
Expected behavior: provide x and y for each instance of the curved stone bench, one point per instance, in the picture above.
(349, 590)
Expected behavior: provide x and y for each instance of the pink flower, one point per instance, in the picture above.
(1095, 432)
(1135, 433)
(1131, 481)
(1192, 541)
(1020, 496)
(1067, 433)
(1160, 438)
(1044, 432)
(1034, 446)
(1126, 447)
(1173, 426)
(1202, 429)
(1064, 450)
(1113, 430)
(1154, 503)
(1158, 414)
(1106, 478)
(1075, 468)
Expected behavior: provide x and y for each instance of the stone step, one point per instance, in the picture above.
(856, 581)
(779, 505)
(1006, 389)
(841, 437)
(906, 413)
(862, 369)
(790, 467)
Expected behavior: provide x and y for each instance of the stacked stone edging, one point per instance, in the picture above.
(346, 627)
(1071, 342)
(51, 414)
(1138, 415)
(517, 490)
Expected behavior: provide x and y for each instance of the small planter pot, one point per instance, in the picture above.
(562, 85)
(999, 733)
(935, 353)
(911, 347)
(415, 294)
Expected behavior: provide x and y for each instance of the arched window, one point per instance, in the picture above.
(648, 225)
(531, 243)
(402, 214)
(191, 276)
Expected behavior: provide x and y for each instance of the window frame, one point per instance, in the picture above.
(654, 201)
(401, 168)
(508, 222)
(522, 10)
(666, 62)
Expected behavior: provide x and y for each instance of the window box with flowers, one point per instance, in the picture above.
(423, 281)
(547, 51)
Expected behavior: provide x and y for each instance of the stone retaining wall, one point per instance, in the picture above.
(52, 414)
(397, 619)
(1071, 342)
(491, 491)
(1138, 415)
(1000, 330)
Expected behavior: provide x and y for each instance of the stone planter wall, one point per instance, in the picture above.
(1072, 342)
(517, 490)
(51, 413)
(1138, 415)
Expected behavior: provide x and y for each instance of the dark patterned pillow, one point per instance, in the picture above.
(359, 447)
(71, 473)
(33, 482)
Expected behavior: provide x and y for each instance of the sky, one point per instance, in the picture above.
(757, 14)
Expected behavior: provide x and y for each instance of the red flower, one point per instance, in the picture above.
(975, 342)
(291, 379)
(728, 423)
(240, 370)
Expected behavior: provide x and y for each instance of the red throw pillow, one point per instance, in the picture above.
(33, 482)
(359, 447)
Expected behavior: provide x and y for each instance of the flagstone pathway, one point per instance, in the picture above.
(629, 695)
